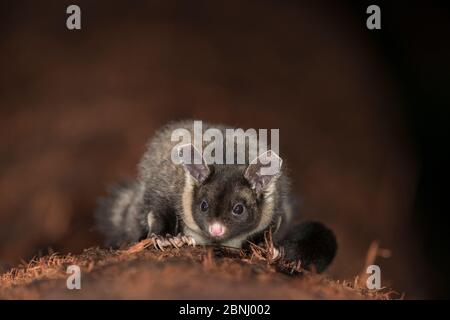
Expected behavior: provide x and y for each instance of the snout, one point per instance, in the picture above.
(217, 229)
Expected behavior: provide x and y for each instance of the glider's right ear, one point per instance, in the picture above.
(193, 162)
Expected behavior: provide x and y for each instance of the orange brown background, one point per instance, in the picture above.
(78, 106)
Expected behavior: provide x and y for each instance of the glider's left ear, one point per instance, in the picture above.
(263, 170)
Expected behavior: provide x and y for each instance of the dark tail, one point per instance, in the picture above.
(312, 243)
(116, 216)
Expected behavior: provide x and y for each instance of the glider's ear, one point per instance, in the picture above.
(262, 170)
(193, 162)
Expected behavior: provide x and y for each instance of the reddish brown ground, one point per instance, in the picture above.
(186, 273)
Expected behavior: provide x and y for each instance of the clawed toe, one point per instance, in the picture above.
(277, 253)
(158, 241)
(174, 241)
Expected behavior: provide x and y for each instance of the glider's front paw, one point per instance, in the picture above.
(187, 240)
(180, 240)
(160, 242)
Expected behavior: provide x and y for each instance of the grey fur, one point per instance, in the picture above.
(163, 189)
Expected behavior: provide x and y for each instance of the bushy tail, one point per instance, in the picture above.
(312, 243)
(117, 215)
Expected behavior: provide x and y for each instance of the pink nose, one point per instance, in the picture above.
(216, 229)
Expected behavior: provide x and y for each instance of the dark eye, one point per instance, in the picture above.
(204, 206)
(238, 209)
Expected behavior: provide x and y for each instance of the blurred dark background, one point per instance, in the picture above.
(363, 115)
